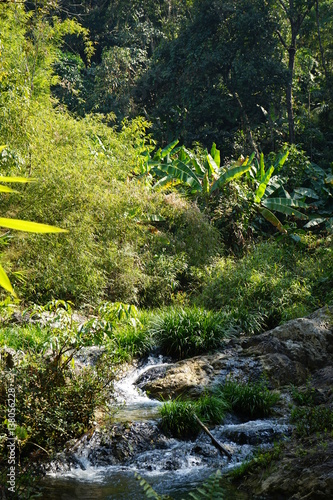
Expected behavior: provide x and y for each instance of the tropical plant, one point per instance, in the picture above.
(172, 166)
(268, 185)
(211, 489)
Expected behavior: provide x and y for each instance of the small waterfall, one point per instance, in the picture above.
(103, 465)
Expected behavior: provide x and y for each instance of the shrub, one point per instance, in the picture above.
(185, 332)
(309, 420)
(276, 281)
(252, 400)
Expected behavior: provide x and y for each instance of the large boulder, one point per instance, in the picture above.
(288, 354)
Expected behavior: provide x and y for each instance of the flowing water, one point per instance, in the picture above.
(174, 468)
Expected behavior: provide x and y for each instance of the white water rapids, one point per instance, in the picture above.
(174, 468)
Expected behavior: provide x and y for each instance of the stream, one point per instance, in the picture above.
(171, 466)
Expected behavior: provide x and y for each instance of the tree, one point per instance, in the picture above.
(294, 12)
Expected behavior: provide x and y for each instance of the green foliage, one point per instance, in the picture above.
(49, 403)
(173, 165)
(177, 419)
(262, 460)
(178, 416)
(276, 281)
(188, 331)
(210, 489)
(309, 419)
(253, 400)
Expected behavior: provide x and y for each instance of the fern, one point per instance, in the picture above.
(211, 490)
(149, 490)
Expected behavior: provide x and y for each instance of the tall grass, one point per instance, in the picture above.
(187, 331)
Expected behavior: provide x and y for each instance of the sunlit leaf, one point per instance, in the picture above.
(22, 180)
(270, 217)
(31, 227)
(262, 186)
(231, 174)
(5, 283)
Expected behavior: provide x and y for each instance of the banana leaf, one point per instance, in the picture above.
(167, 150)
(181, 171)
(231, 174)
(263, 185)
(284, 206)
(270, 217)
(212, 167)
(281, 160)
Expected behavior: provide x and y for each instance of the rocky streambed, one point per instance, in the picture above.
(103, 462)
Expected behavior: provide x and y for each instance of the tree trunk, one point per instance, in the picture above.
(289, 93)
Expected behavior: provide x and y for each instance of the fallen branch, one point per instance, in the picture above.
(218, 445)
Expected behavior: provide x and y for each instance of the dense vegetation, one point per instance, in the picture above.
(186, 147)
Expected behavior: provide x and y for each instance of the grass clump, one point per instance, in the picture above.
(178, 417)
(185, 332)
(252, 400)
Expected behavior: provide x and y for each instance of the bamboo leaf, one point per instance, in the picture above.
(5, 189)
(31, 227)
(5, 283)
(22, 180)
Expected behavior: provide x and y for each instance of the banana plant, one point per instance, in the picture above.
(19, 225)
(267, 185)
(178, 165)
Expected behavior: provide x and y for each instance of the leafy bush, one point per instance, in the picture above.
(276, 281)
(309, 419)
(185, 332)
(252, 400)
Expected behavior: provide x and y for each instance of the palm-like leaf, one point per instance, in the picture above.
(284, 206)
(231, 174)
